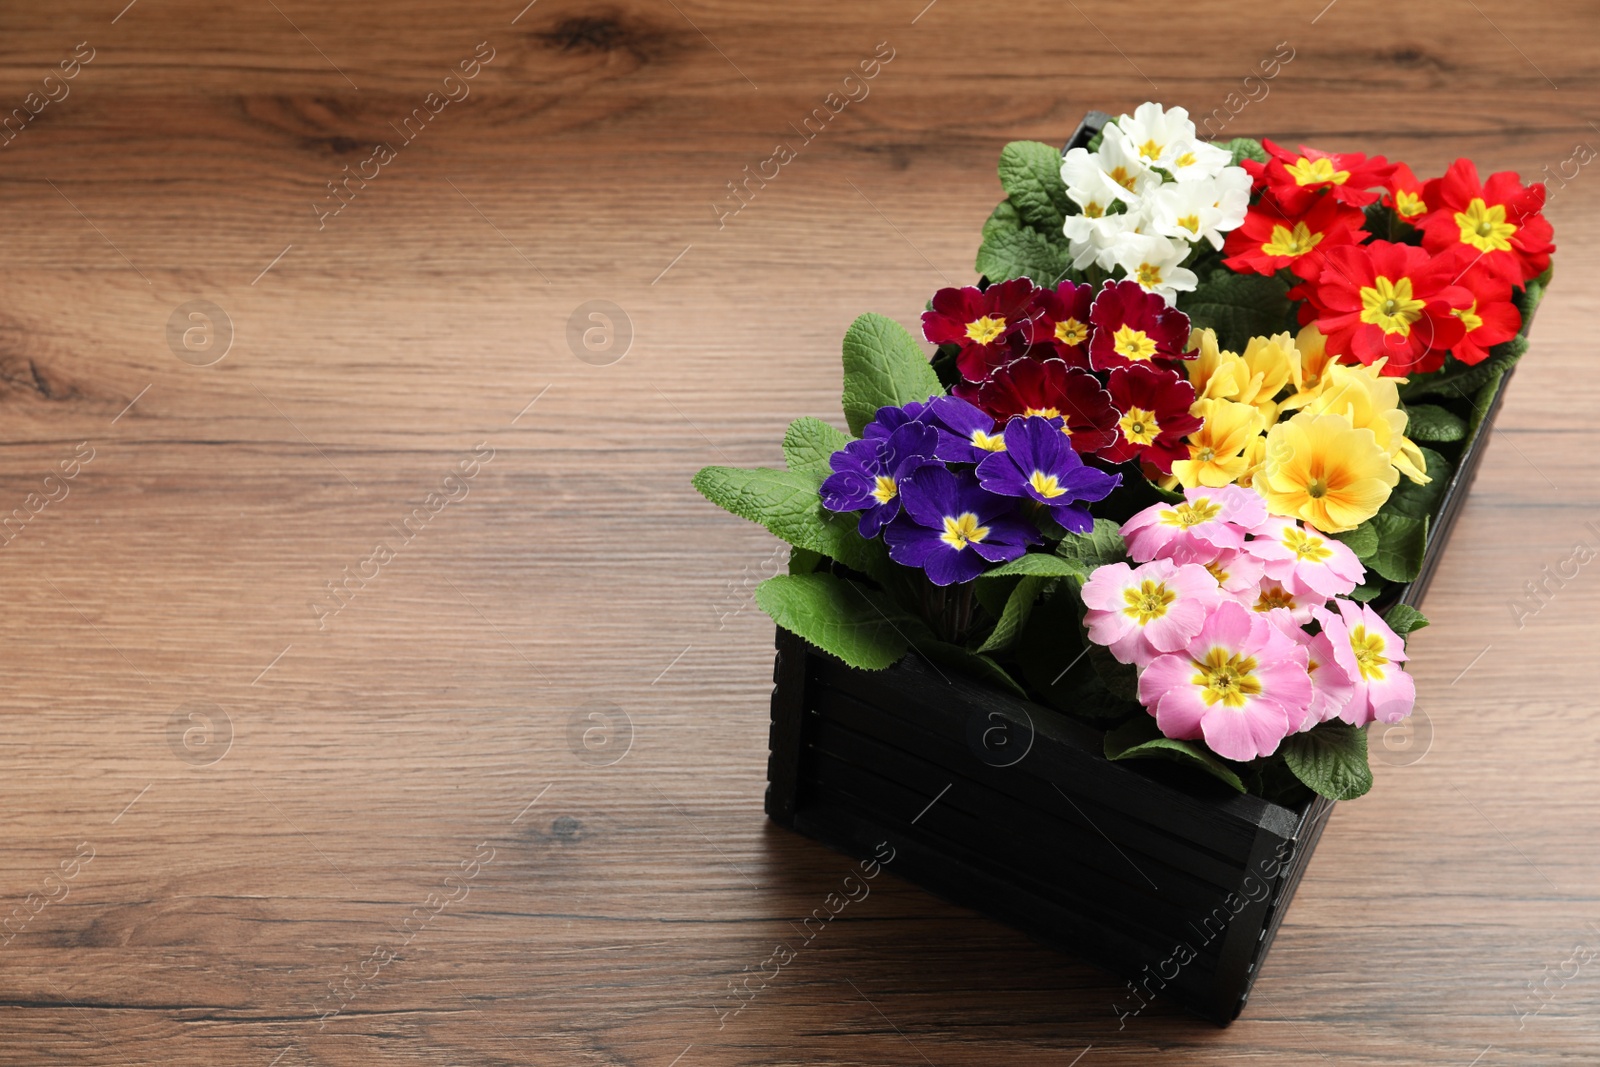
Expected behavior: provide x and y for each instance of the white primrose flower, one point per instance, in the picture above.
(1093, 239)
(1197, 160)
(1159, 136)
(1115, 172)
(1152, 260)
(1193, 211)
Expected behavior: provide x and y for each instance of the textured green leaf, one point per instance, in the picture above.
(1429, 422)
(1363, 540)
(1401, 541)
(1420, 501)
(1403, 619)
(1097, 548)
(1244, 148)
(1368, 590)
(1461, 381)
(1040, 564)
(837, 616)
(1238, 307)
(883, 366)
(1140, 738)
(1030, 173)
(787, 504)
(809, 443)
(1002, 219)
(1331, 759)
(1024, 253)
(1019, 605)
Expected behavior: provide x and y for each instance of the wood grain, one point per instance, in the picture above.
(428, 722)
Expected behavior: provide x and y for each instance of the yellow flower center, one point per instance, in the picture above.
(1046, 485)
(1191, 513)
(1092, 210)
(1368, 648)
(1226, 679)
(1274, 596)
(1409, 205)
(1148, 275)
(1485, 228)
(1048, 413)
(1132, 344)
(1306, 547)
(1071, 332)
(885, 490)
(1148, 602)
(1390, 306)
(1185, 160)
(963, 530)
(1215, 567)
(1296, 242)
(1190, 223)
(1139, 426)
(989, 442)
(1121, 176)
(1469, 316)
(985, 330)
(1150, 150)
(1316, 488)
(1314, 172)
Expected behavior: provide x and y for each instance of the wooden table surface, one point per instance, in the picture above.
(319, 659)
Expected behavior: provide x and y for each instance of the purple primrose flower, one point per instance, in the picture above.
(953, 529)
(1040, 464)
(868, 474)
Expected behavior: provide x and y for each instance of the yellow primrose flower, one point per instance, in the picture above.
(1310, 366)
(1255, 454)
(1215, 374)
(1216, 448)
(1323, 470)
(1372, 402)
(1269, 363)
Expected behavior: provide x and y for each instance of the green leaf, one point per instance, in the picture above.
(1024, 253)
(1238, 307)
(1003, 219)
(1403, 619)
(1331, 759)
(1363, 540)
(1170, 496)
(1461, 381)
(1244, 148)
(787, 504)
(1015, 616)
(1140, 738)
(1420, 501)
(1429, 422)
(1527, 299)
(1368, 590)
(1482, 401)
(970, 663)
(1121, 679)
(1030, 173)
(1100, 546)
(803, 560)
(837, 616)
(883, 366)
(1401, 541)
(809, 443)
(1039, 564)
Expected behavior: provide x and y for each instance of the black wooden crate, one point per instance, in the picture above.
(1174, 882)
